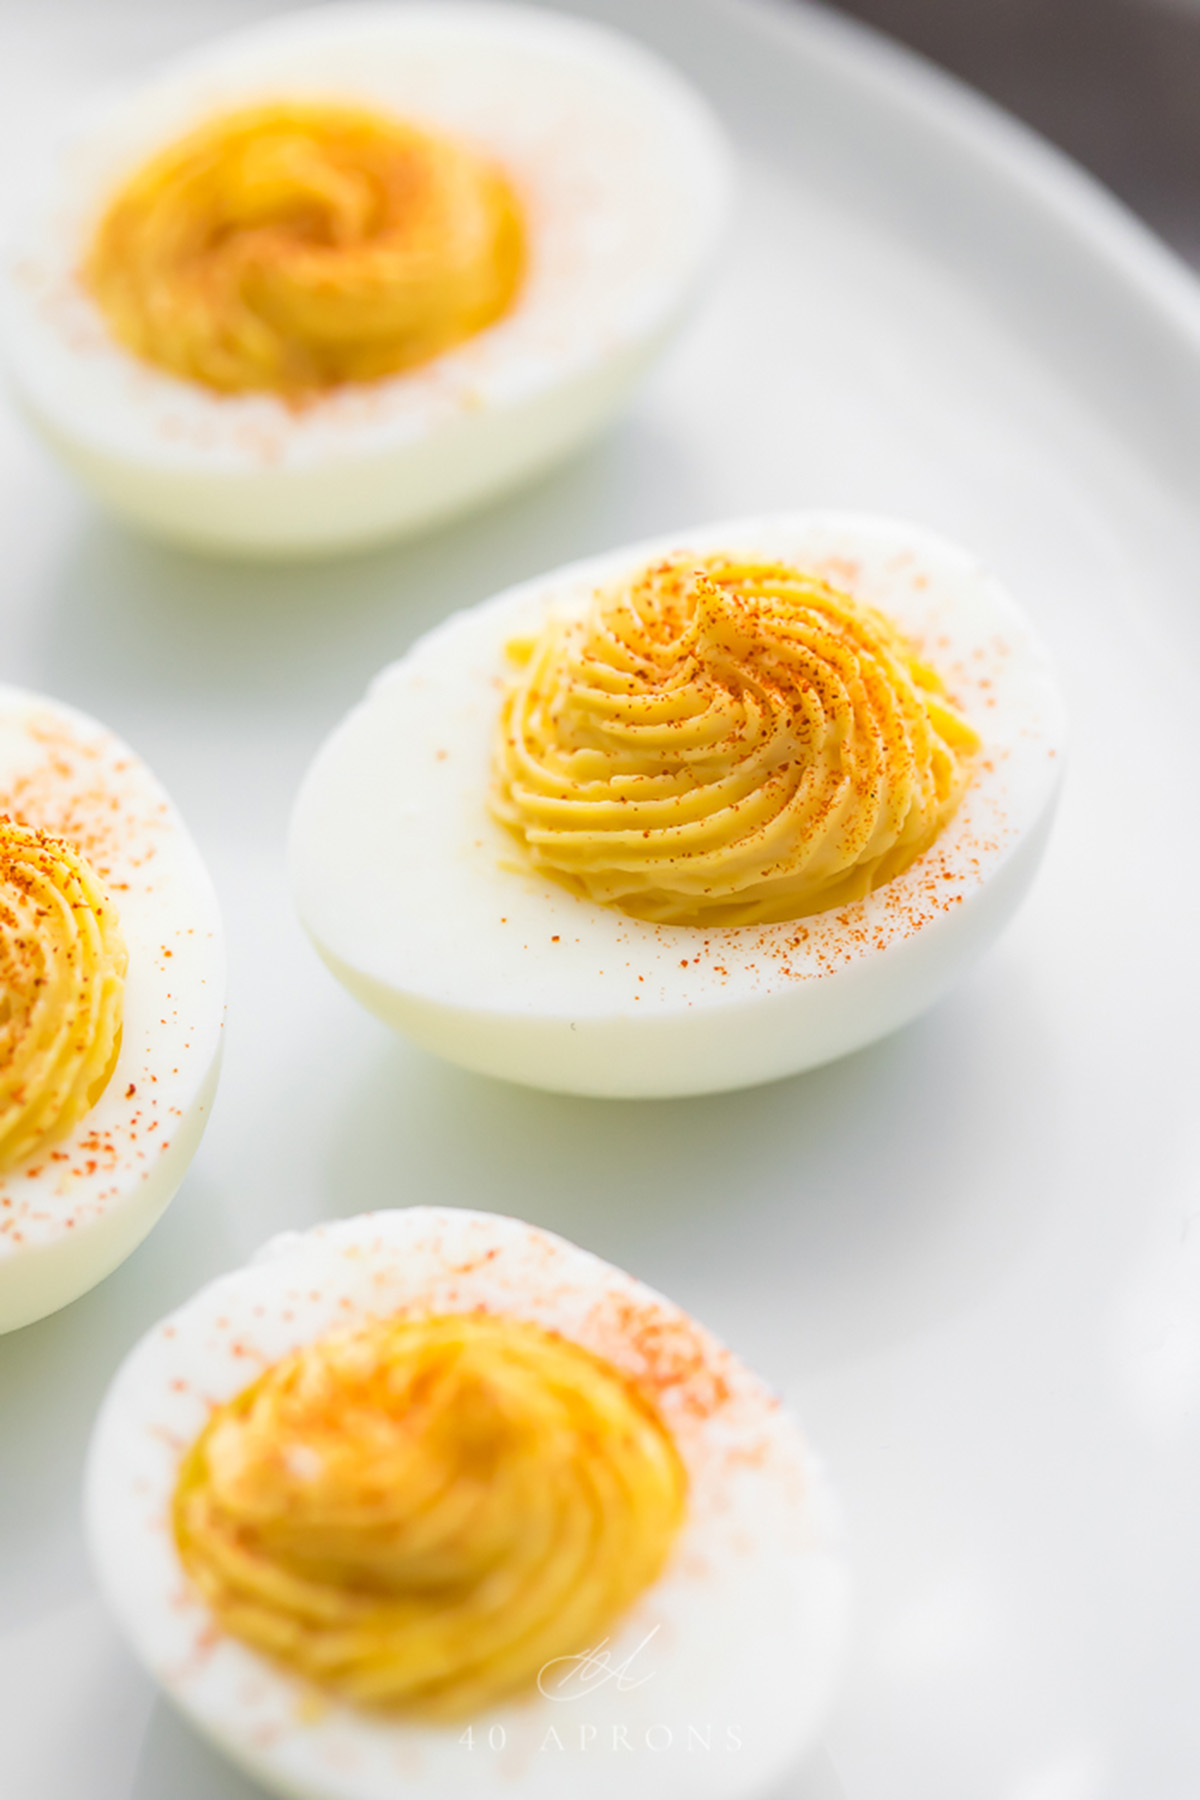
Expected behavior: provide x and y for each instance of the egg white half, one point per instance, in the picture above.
(624, 179)
(419, 902)
(71, 1213)
(729, 1659)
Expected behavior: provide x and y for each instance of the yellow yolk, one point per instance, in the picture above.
(421, 1514)
(289, 248)
(62, 979)
(726, 743)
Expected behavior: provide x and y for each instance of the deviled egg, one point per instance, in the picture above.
(433, 1501)
(689, 816)
(348, 272)
(111, 1008)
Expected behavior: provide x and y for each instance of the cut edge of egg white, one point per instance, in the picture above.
(69, 1214)
(420, 903)
(625, 181)
(727, 1663)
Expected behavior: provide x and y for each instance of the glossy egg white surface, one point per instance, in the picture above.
(624, 181)
(727, 1663)
(418, 901)
(70, 1213)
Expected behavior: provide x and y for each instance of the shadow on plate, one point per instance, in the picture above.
(819, 1217)
(178, 1764)
(129, 618)
(53, 1376)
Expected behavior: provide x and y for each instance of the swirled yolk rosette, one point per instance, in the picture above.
(287, 248)
(62, 979)
(420, 1514)
(725, 742)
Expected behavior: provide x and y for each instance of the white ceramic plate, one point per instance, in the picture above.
(969, 1255)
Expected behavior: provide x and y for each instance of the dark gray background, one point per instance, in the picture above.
(1116, 83)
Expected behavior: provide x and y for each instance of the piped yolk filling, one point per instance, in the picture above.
(288, 248)
(721, 742)
(62, 981)
(419, 1515)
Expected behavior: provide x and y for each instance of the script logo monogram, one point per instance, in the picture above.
(574, 1677)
